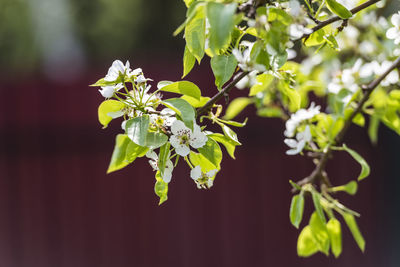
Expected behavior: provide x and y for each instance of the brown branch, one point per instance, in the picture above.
(324, 23)
(220, 94)
(320, 167)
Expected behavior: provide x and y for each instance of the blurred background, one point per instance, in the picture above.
(59, 208)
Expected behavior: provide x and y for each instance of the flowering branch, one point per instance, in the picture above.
(319, 171)
(324, 23)
(220, 94)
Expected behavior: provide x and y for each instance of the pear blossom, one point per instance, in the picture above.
(182, 137)
(296, 31)
(394, 32)
(116, 69)
(203, 179)
(247, 81)
(244, 60)
(165, 119)
(298, 117)
(109, 90)
(154, 164)
(297, 145)
(346, 79)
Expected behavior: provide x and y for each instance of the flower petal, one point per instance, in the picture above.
(195, 173)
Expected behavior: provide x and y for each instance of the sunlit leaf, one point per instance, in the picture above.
(365, 169)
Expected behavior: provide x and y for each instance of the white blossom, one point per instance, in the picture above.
(165, 119)
(109, 90)
(394, 32)
(154, 164)
(247, 81)
(202, 178)
(244, 60)
(297, 145)
(300, 116)
(294, 8)
(182, 137)
(116, 69)
(297, 30)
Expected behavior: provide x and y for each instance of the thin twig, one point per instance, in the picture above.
(324, 23)
(220, 94)
(320, 167)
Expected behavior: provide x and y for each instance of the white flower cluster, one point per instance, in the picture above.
(297, 118)
(348, 79)
(394, 32)
(203, 179)
(244, 60)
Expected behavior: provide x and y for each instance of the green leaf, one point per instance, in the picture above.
(335, 236)
(296, 210)
(373, 128)
(194, 102)
(118, 156)
(280, 15)
(163, 156)
(320, 233)
(161, 189)
(350, 188)
(365, 169)
(306, 244)
(107, 107)
(263, 82)
(316, 38)
(155, 140)
(236, 106)
(102, 82)
(293, 96)
(198, 159)
(223, 68)
(195, 34)
(270, 112)
(221, 19)
(316, 197)
(188, 2)
(212, 152)
(137, 129)
(229, 133)
(134, 151)
(355, 231)
(181, 87)
(234, 123)
(183, 109)
(226, 142)
(338, 9)
(188, 62)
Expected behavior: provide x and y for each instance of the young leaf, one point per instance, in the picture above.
(316, 197)
(155, 140)
(316, 38)
(234, 123)
(198, 159)
(229, 133)
(338, 9)
(226, 142)
(195, 34)
(306, 244)
(137, 129)
(188, 62)
(296, 210)
(236, 106)
(183, 109)
(195, 102)
(335, 236)
(118, 157)
(263, 82)
(163, 156)
(134, 151)
(221, 19)
(373, 128)
(365, 170)
(106, 108)
(320, 233)
(212, 152)
(223, 68)
(181, 87)
(293, 96)
(350, 188)
(161, 189)
(355, 231)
